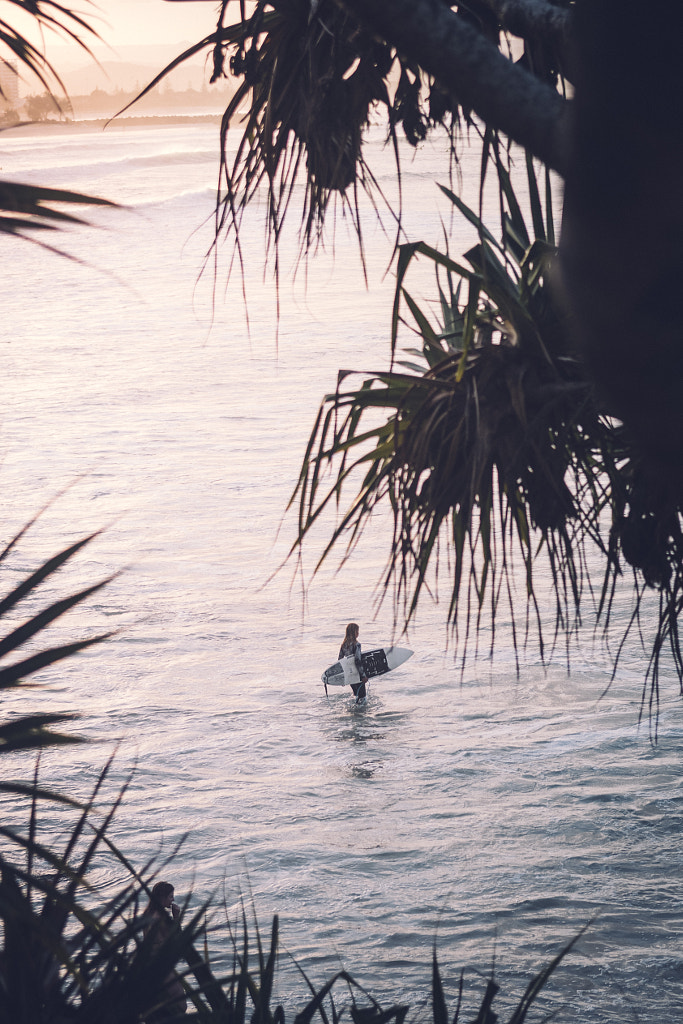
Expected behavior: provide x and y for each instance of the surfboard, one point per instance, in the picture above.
(376, 662)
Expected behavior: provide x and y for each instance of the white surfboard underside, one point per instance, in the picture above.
(345, 673)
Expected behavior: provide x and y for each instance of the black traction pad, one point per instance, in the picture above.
(374, 663)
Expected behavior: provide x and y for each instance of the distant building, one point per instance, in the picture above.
(9, 84)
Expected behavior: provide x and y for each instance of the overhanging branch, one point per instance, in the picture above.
(473, 70)
(533, 19)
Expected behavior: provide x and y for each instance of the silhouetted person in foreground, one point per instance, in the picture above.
(159, 917)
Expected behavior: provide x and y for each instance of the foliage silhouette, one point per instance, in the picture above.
(19, 643)
(29, 209)
(68, 953)
(542, 75)
(496, 445)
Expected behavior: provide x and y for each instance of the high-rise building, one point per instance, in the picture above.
(9, 84)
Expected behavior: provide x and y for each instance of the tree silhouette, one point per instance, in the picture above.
(588, 87)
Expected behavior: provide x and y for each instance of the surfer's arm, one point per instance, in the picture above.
(359, 664)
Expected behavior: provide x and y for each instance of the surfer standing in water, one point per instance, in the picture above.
(350, 648)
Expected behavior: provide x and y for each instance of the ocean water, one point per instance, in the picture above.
(492, 813)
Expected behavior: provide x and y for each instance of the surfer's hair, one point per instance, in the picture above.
(352, 631)
(160, 892)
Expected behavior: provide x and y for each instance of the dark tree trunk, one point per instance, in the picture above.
(622, 236)
(473, 71)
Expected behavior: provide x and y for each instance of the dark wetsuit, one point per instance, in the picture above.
(352, 650)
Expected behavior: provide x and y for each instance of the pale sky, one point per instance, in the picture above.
(123, 23)
(150, 22)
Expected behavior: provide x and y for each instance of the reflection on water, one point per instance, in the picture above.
(356, 728)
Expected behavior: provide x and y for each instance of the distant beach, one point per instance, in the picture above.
(111, 124)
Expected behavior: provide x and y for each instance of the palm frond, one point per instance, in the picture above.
(29, 209)
(64, 949)
(494, 446)
(68, 952)
(309, 77)
(33, 731)
(497, 451)
(19, 642)
(49, 16)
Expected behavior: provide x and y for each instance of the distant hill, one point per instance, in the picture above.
(129, 70)
(132, 77)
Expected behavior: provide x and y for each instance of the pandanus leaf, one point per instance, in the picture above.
(29, 731)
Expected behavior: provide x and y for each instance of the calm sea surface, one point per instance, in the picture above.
(491, 814)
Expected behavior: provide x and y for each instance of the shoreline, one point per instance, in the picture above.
(110, 123)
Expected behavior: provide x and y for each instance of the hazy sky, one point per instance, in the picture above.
(123, 23)
(131, 22)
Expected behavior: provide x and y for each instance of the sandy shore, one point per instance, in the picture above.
(117, 124)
